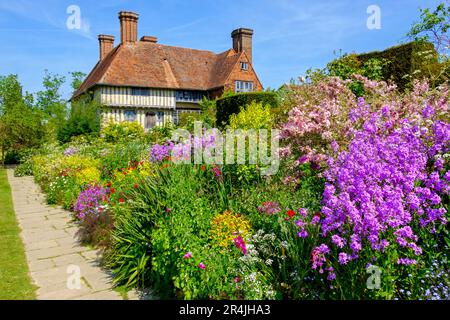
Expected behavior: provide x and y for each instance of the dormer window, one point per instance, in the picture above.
(244, 66)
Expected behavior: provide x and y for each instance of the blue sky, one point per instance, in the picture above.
(290, 35)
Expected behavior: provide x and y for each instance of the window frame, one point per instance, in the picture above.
(126, 115)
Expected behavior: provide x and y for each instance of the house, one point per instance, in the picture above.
(153, 83)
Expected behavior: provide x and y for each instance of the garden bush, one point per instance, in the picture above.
(125, 131)
(228, 105)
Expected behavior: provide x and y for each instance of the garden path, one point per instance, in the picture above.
(54, 256)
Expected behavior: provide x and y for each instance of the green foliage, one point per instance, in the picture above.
(77, 79)
(187, 119)
(209, 111)
(125, 131)
(406, 62)
(84, 119)
(253, 116)
(349, 64)
(120, 156)
(433, 26)
(159, 134)
(228, 105)
(20, 124)
(50, 102)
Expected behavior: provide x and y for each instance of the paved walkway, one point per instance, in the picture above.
(54, 255)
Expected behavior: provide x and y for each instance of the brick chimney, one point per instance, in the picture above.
(128, 26)
(242, 41)
(106, 44)
(149, 39)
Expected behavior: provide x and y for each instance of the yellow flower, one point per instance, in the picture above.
(227, 226)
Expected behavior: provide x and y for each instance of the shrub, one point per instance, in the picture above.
(229, 105)
(124, 131)
(84, 119)
(405, 63)
(252, 116)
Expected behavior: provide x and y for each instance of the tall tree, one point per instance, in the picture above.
(50, 102)
(434, 26)
(20, 124)
(77, 79)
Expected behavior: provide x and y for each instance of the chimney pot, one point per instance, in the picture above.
(149, 39)
(106, 44)
(128, 26)
(242, 41)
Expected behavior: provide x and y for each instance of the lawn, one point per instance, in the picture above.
(15, 283)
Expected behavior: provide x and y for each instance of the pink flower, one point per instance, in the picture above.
(201, 265)
(240, 244)
(187, 255)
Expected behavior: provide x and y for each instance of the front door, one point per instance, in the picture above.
(150, 120)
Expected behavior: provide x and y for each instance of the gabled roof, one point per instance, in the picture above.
(146, 64)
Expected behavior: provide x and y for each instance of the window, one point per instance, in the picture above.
(130, 115)
(189, 96)
(244, 86)
(160, 115)
(244, 66)
(140, 92)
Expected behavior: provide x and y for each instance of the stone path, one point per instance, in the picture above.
(54, 255)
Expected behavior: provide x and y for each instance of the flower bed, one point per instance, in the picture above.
(358, 209)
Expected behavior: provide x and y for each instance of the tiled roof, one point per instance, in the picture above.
(146, 64)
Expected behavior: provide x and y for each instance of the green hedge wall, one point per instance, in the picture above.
(229, 105)
(406, 59)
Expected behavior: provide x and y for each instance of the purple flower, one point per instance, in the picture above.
(70, 151)
(303, 234)
(343, 258)
(303, 212)
(90, 201)
(338, 241)
(428, 111)
(159, 153)
(406, 261)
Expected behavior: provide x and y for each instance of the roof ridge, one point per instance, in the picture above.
(177, 47)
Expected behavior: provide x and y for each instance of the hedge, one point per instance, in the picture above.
(406, 59)
(229, 105)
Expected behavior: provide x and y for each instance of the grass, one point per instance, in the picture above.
(15, 282)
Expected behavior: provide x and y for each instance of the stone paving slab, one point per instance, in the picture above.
(53, 253)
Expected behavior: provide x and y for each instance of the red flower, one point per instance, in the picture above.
(112, 190)
(203, 168)
(121, 200)
(291, 213)
(136, 186)
(109, 185)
